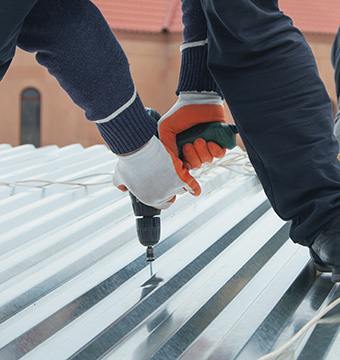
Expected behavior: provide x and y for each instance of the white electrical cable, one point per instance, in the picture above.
(229, 162)
(73, 182)
(275, 354)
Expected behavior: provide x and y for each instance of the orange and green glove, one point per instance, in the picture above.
(192, 109)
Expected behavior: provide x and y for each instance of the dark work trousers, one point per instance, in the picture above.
(269, 78)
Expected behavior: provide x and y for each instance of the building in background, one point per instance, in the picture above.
(34, 109)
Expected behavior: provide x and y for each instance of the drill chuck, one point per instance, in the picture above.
(148, 225)
(150, 256)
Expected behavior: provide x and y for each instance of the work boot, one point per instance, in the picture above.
(325, 250)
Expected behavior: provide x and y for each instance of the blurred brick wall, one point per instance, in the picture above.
(154, 63)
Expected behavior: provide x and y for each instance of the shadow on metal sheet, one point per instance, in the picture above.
(150, 285)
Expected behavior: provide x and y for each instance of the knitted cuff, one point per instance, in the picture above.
(129, 130)
(194, 74)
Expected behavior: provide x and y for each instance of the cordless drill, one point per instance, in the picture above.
(148, 220)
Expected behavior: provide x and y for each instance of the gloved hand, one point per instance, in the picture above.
(152, 176)
(192, 109)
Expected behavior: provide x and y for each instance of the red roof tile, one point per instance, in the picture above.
(316, 16)
(142, 15)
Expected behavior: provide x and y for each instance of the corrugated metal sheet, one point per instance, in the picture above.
(74, 284)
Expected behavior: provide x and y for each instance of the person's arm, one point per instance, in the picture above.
(194, 73)
(199, 98)
(75, 43)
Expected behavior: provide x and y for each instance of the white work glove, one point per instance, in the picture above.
(151, 175)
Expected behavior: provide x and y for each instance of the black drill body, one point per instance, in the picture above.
(148, 226)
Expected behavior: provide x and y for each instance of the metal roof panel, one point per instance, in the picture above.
(74, 283)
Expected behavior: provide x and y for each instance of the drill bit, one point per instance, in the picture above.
(150, 257)
(151, 270)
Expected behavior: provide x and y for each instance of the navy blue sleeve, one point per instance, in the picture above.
(195, 24)
(194, 74)
(75, 43)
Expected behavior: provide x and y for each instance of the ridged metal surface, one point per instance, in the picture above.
(74, 283)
